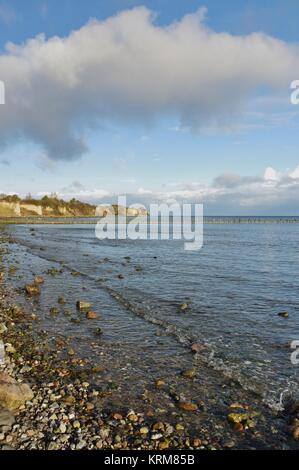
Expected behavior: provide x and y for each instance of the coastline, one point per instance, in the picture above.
(67, 413)
(210, 220)
(63, 414)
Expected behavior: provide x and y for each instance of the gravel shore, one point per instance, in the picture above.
(65, 410)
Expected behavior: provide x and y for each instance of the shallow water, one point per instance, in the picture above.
(235, 287)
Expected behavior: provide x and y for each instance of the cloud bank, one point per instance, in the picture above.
(274, 193)
(129, 69)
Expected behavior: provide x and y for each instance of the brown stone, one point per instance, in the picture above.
(160, 383)
(187, 406)
(13, 394)
(39, 280)
(196, 442)
(238, 427)
(91, 316)
(32, 290)
(197, 348)
(295, 433)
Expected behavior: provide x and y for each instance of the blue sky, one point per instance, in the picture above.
(237, 155)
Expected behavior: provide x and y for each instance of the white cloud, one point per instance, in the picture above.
(295, 173)
(271, 174)
(128, 69)
(229, 193)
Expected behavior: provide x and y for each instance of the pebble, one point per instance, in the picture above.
(187, 406)
(62, 428)
(189, 373)
(53, 446)
(196, 442)
(295, 434)
(144, 430)
(283, 314)
(160, 383)
(184, 307)
(91, 316)
(197, 348)
(81, 444)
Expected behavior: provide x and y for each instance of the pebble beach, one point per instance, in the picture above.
(50, 400)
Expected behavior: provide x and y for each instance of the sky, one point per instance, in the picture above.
(160, 100)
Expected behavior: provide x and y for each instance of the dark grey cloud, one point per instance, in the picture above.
(128, 69)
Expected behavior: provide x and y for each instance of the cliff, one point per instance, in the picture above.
(13, 206)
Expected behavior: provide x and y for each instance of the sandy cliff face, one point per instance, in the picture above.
(29, 209)
(23, 209)
(107, 211)
(9, 209)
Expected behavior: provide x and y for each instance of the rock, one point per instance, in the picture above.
(197, 348)
(245, 419)
(99, 331)
(164, 445)
(54, 311)
(91, 316)
(180, 427)
(184, 307)
(283, 314)
(62, 428)
(229, 444)
(196, 442)
(53, 446)
(32, 290)
(10, 349)
(238, 427)
(144, 430)
(61, 300)
(237, 417)
(133, 418)
(156, 436)
(82, 305)
(13, 394)
(189, 373)
(3, 328)
(39, 280)
(7, 448)
(238, 406)
(7, 419)
(295, 433)
(185, 406)
(69, 400)
(81, 444)
(160, 383)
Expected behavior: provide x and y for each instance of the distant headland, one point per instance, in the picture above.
(51, 206)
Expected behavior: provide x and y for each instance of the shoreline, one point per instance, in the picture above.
(209, 220)
(63, 414)
(66, 411)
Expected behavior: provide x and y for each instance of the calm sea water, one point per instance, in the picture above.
(235, 287)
